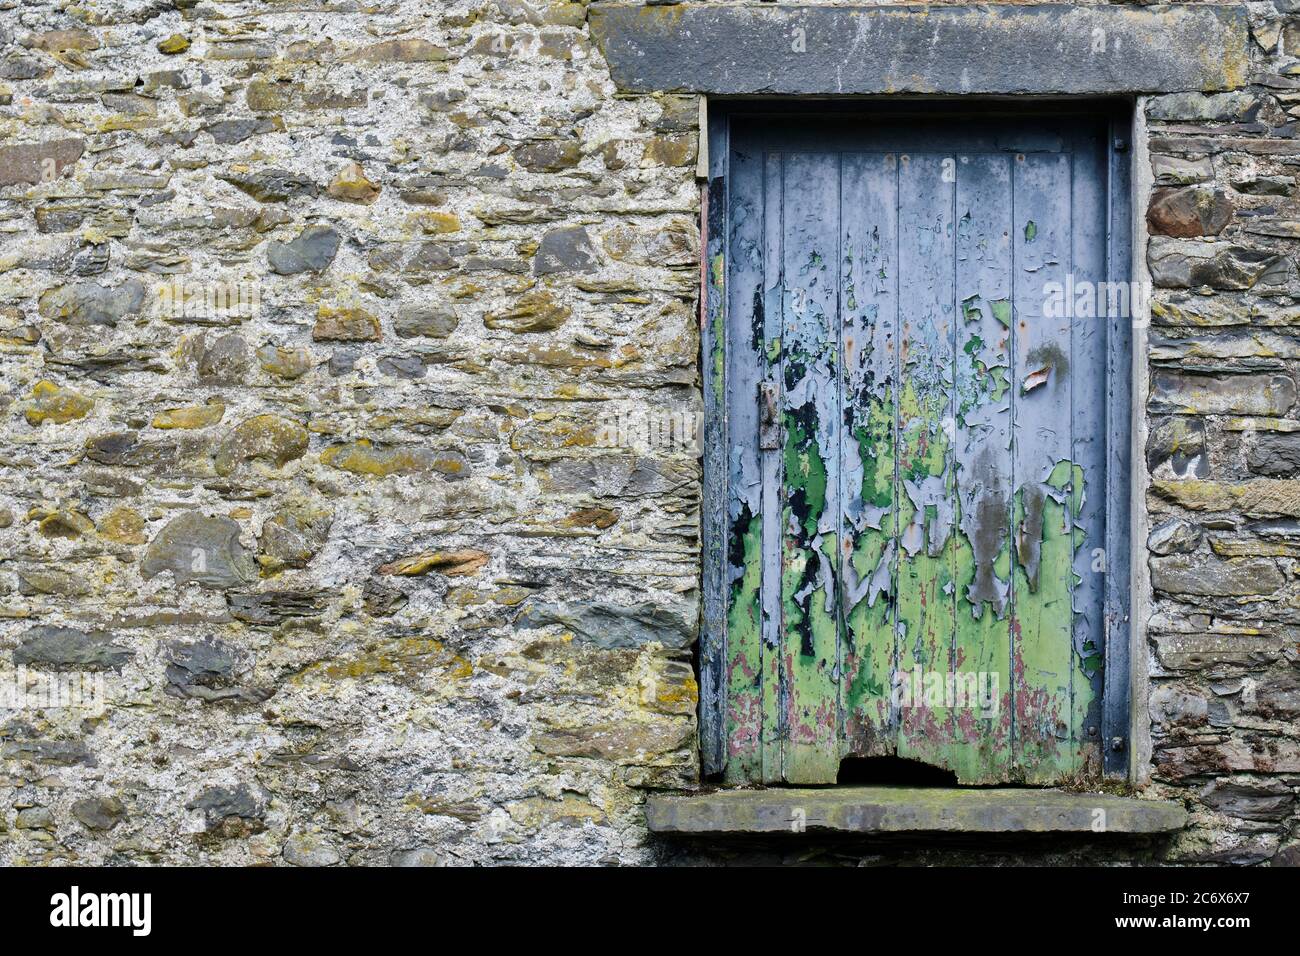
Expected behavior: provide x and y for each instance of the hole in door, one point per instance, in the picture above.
(896, 771)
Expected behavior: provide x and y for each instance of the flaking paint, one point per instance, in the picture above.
(903, 543)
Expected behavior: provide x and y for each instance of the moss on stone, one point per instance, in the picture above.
(52, 403)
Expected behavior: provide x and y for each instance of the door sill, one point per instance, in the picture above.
(881, 809)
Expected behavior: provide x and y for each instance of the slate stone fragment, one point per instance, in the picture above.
(195, 547)
(568, 249)
(312, 251)
(612, 625)
(70, 648)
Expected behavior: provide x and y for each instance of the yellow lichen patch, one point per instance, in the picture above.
(363, 666)
(434, 223)
(1254, 548)
(285, 362)
(1259, 496)
(14, 329)
(351, 185)
(65, 41)
(460, 809)
(1258, 424)
(424, 417)
(461, 289)
(406, 657)
(192, 416)
(552, 434)
(570, 809)
(675, 697)
(269, 438)
(662, 684)
(362, 458)
(50, 403)
(508, 596)
(557, 358)
(176, 43)
(407, 50)
(123, 525)
(454, 564)
(119, 122)
(590, 518)
(670, 150)
(531, 312)
(65, 524)
(345, 325)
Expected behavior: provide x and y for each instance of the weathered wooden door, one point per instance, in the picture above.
(921, 441)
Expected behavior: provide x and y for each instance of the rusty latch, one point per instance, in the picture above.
(769, 433)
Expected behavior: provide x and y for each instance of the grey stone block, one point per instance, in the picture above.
(1041, 49)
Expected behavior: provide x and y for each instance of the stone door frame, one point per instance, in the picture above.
(789, 54)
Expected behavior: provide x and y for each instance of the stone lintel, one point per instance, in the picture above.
(1047, 49)
(884, 810)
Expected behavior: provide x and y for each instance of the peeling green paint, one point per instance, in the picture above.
(805, 471)
(744, 648)
(930, 515)
(1002, 311)
(1041, 637)
(870, 570)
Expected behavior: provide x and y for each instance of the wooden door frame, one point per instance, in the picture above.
(1124, 473)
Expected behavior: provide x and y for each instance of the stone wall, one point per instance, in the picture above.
(295, 541)
(349, 354)
(1223, 500)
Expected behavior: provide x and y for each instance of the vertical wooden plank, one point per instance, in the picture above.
(1042, 472)
(892, 411)
(868, 553)
(775, 691)
(1088, 307)
(1120, 359)
(743, 371)
(982, 722)
(713, 681)
(926, 496)
(810, 405)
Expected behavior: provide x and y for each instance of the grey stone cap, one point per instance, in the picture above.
(1044, 49)
(909, 810)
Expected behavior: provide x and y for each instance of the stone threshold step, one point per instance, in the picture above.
(908, 810)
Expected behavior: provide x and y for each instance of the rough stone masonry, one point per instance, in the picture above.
(313, 316)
